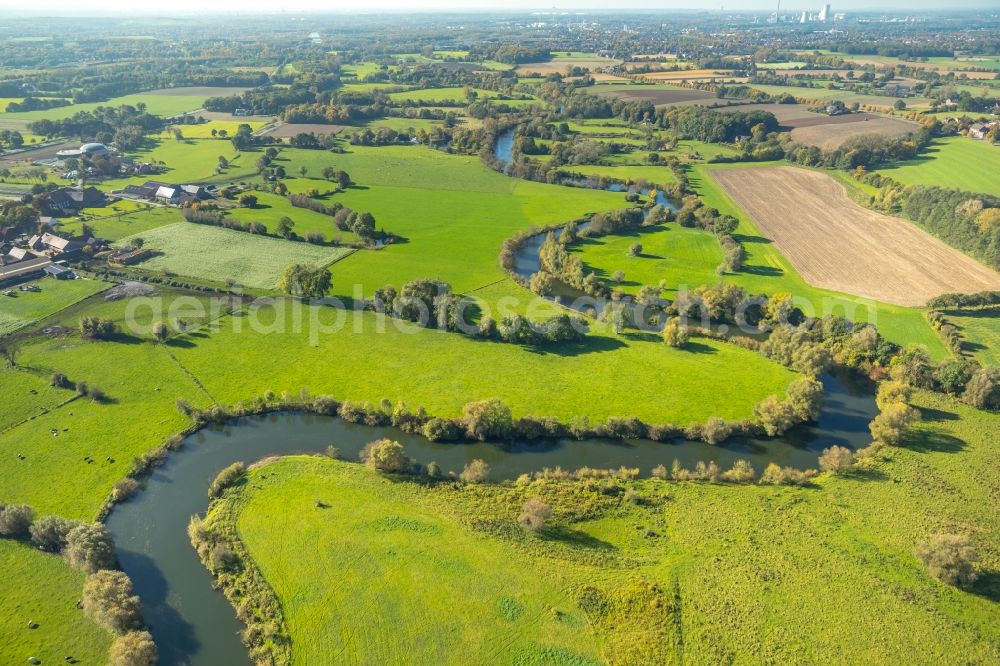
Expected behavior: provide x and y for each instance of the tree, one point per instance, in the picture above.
(108, 600)
(618, 277)
(364, 225)
(983, 390)
(386, 455)
(284, 228)
(891, 392)
(774, 416)
(305, 281)
(135, 648)
(950, 558)
(161, 331)
(487, 419)
(248, 200)
(716, 430)
(806, 398)
(475, 472)
(892, 423)
(95, 328)
(89, 548)
(542, 283)
(534, 513)
(50, 533)
(226, 478)
(675, 334)
(836, 459)
(15, 520)
(635, 249)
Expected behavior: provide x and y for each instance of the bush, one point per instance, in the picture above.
(950, 558)
(741, 472)
(226, 478)
(136, 648)
(789, 476)
(96, 328)
(892, 423)
(534, 514)
(487, 419)
(440, 430)
(15, 520)
(675, 334)
(108, 600)
(49, 533)
(386, 455)
(716, 430)
(475, 472)
(124, 489)
(891, 392)
(774, 416)
(836, 459)
(805, 396)
(89, 548)
(983, 390)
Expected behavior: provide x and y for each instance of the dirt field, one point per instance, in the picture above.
(34, 154)
(291, 129)
(832, 135)
(836, 244)
(658, 96)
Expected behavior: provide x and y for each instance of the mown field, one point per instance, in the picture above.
(955, 162)
(164, 102)
(981, 331)
(213, 253)
(675, 577)
(26, 307)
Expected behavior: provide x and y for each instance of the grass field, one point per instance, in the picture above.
(114, 227)
(680, 574)
(660, 175)
(191, 160)
(432, 95)
(213, 253)
(956, 162)
(204, 130)
(26, 307)
(981, 331)
(40, 587)
(26, 395)
(164, 102)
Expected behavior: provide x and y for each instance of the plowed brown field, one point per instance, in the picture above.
(836, 244)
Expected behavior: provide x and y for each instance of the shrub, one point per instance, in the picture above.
(96, 328)
(475, 472)
(892, 423)
(775, 475)
(635, 249)
(124, 489)
(983, 390)
(15, 520)
(487, 419)
(774, 416)
(891, 392)
(741, 472)
(675, 334)
(136, 648)
(534, 513)
(434, 470)
(59, 380)
(89, 548)
(226, 478)
(716, 430)
(659, 472)
(161, 331)
(805, 396)
(222, 558)
(108, 600)
(836, 459)
(49, 533)
(950, 558)
(386, 455)
(440, 430)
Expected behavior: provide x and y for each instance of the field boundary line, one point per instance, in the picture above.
(43, 412)
(192, 376)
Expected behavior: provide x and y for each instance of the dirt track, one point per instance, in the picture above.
(836, 244)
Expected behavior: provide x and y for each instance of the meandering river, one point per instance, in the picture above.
(193, 623)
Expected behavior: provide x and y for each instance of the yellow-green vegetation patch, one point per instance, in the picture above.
(26, 395)
(659, 175)
(115, 225)
(163, 102)
(40, 588)
(204, 130)
(191, 160)
(981, 332)
(27, 307)
(956, 162)
(213, 253)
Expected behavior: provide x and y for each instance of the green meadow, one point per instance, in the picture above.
(956, 162)
(27, 307)
(165, 102)
(659, 175)
(981, 332)
(213, 253)
(675, 576)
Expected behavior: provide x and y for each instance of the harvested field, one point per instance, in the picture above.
(836, 244)
(833, 134)
(35, 154)
(658, 95)
(228, 117)
(693, 74)
(291, 129)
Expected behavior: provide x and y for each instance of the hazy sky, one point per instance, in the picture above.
(172, 6)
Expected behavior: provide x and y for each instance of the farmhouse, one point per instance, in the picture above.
(72, 199)
(167, 193)
(14, 255)
(51, 245)
(23, 270)
(59, 272)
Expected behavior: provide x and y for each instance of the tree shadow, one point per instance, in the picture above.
(934, 442)
(864, 474)
(987, 585)
(696, 347)
(744, 238)
(766, 271)
(572, 537)
(592, 344)
(181, 343)
(936, 415)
